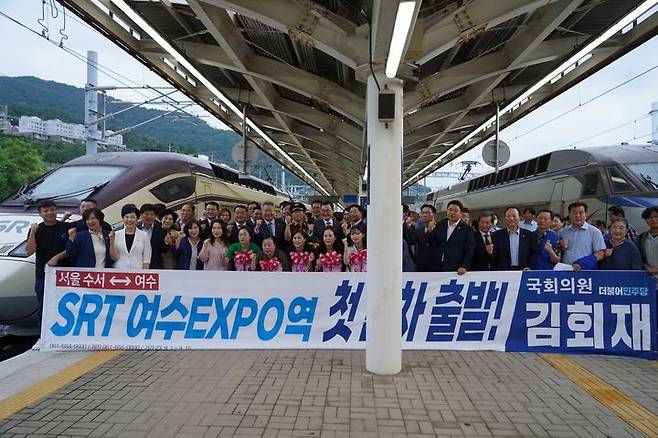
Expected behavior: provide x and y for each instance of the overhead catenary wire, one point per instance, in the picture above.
(590, 100)
(110, 73)
(605, 131)
(103, 69)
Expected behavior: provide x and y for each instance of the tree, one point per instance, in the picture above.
(20, 162)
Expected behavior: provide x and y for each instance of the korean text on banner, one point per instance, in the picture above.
(511, 311)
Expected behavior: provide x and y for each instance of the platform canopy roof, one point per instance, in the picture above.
(299, 66)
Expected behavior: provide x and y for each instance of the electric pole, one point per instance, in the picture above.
(91, 104)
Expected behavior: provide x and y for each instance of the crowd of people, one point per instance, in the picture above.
(253, 237)
(530, 240)
(245, 238)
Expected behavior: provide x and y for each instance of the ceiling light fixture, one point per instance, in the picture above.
(401, 28)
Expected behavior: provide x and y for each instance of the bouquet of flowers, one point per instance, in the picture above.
(271, 265)
(359, 261)
(331, 262)
(242, 260)
(299, 261)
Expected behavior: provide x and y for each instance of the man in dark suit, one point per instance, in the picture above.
(327, 220)
(483, 253)
(316, 211)
(271, 226)
(211, 214)
(513, 246)
(160, 241)
(241, 215)
(356, 219)
(428, 251)
(456, 241)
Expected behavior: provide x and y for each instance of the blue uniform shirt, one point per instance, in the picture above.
(583, 242)
(542, 260)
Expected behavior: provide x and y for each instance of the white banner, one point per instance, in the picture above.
(107, 309)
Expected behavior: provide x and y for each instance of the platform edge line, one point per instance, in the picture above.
(14, 403)
(632, 412)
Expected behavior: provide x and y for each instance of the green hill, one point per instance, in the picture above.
(47, 99)
(28, 95)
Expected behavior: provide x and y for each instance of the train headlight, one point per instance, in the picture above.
(19, 251)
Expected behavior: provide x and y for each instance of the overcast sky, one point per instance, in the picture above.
(25, 53)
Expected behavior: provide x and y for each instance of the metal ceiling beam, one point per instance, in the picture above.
(221, 27)
(430, 132)
(448, 107)
(518, 49)
(340, 163)
(450, 26)
(312, 134)
(481, 68)
(299, 111)
(308, 23)
(321, 90)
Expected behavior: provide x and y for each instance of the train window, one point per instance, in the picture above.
(224, 174)
(618, 182)
(523, 170)
(506, 174)
(532, 167)
(647, 172)
(542, 165)
(73, 182)
(591, 184)
(175, 189)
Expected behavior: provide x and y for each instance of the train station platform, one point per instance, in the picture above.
(328, 393)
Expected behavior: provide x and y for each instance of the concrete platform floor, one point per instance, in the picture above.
(328, 393)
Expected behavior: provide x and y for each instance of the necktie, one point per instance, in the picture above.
(327, 223)
(272, 228)
(487, 241)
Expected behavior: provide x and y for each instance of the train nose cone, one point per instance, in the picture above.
(18, 302)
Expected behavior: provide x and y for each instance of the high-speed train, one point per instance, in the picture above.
(113, 179)
(623, 175)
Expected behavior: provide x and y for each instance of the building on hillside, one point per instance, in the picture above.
(111, 139)
(34, 127)
(66, 132)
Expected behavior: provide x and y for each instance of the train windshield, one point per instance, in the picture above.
(647, 172)
(72, 183)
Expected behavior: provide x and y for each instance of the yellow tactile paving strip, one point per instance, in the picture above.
(31, 394)
(623, 406)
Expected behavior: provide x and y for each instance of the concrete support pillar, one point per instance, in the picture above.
(384, 276)
(91, 104)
